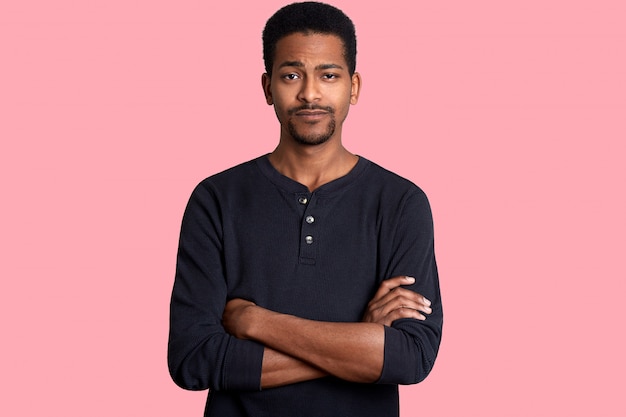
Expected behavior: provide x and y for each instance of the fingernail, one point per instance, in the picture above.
(410, 279)
(427, 301)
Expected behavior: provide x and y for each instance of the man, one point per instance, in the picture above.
(306, 282)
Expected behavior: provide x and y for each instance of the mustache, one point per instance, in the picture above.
(294, 110)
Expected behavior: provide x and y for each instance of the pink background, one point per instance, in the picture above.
(511, 115)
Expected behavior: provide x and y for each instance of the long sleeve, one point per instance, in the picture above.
(411, 346)
(201, 354)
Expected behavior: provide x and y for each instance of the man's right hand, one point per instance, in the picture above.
(392, 302)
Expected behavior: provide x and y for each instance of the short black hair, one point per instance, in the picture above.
(309, 17)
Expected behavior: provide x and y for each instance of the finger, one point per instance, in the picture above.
(396, 307)
(407, 313)
(401, 313)
(400, 299)
(411, 302)
(416, 301)
(399, 293)
(391, 284)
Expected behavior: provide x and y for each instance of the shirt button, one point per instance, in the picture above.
(303, 200)
(308, 240)
(309, 219)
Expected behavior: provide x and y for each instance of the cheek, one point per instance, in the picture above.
(281, 111)
(342, 103)
(281, 101)
(280, 108)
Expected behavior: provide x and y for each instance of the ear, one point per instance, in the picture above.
(356, 88)
(266, 82)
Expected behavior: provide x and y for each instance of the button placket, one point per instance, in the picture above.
(307, 229)
(308, 245)
(309, 220)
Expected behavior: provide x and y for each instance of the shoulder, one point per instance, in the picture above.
(238, 173)
(391, 184)
(239, 180)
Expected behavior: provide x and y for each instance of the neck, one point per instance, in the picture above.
(313, 166)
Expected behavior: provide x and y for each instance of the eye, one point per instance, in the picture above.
(291, 76)
(330, 76)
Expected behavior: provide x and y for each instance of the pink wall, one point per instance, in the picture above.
(510, 115)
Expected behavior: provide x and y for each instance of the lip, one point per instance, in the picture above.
(311, 113)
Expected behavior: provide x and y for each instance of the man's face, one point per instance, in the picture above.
(310, 87)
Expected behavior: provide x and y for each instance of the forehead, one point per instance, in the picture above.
(313, 48)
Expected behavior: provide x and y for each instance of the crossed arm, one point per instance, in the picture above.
(298, 349)
(206, 346)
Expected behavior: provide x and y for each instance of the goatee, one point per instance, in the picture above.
(312, 139)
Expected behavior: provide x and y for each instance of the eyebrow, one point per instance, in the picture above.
(299, 64)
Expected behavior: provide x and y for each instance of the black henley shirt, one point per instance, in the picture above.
(250, 232)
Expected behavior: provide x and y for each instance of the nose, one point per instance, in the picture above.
(310, 91)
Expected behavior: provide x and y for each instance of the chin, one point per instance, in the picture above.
(312, 138)
(315, 141)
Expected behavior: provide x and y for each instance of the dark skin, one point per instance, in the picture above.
(298, 349)
(311, 91)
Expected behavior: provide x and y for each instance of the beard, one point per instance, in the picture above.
(312, 139)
